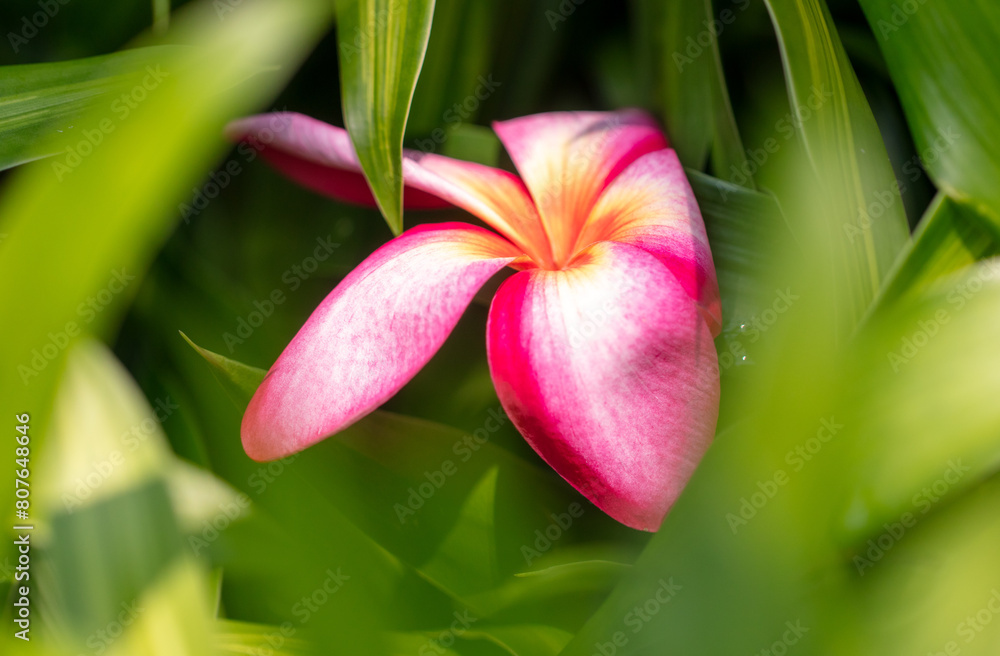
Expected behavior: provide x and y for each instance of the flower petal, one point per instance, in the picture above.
(651, 205)
(318, 156)
(321, 157)
(497, 197)
(371, 335)
(568, 158)
(609, 371)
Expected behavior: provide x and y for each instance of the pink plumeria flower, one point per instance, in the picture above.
(600, 346)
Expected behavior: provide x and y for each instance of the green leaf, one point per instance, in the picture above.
(43, 100)
(853, 197)
(942, 58)
(382, 47)
(467, 554)
(101, 493)
(110, 550)
(452, 538)
(239, 380)
(572, 580)
(914, 431)
(161, 16)
(472, 143)
(743, 227)
(99, 417)
(939, 573)
(405, 644)
(242, 638)
(687, 93)
(103, 217)
(697, 111)
(696, 573)
(458, 54)
(949, 237)
(520, 639)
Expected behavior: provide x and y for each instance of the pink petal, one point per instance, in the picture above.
(317, 155)
(322, 158)
(567, 159)
(610, 373)
(371, 335)
(651, 205)
(497, 197)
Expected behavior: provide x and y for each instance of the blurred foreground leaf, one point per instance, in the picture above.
(242, 638)
(933, 586)
(37, 101)
(88, 223)
(855, 197)
(525, 639)
(922, 442)
(113, 575)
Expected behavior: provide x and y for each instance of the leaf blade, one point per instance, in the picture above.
(942, 59)
(40, 100)
(383, 43)
(844, 147)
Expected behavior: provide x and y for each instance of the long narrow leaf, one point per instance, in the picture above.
(382, 47)
(943, 57)
(855, 197)
(39, 101)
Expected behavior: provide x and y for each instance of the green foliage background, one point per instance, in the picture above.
(849, 503)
